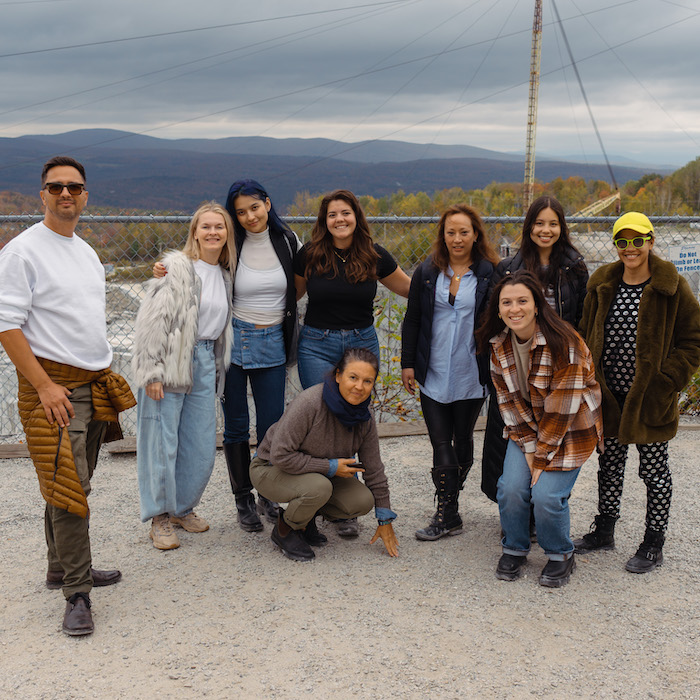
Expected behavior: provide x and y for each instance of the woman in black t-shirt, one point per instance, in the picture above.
(339, 269)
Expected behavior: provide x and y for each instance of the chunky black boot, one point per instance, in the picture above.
(238, 462)
(312, 535)
(446, 520)
(649, 554)
(268, 508)
(601, 535)
(290, 542)
(509, 567)
(557, 573)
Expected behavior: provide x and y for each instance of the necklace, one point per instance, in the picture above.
(340, 257)
(459, 276)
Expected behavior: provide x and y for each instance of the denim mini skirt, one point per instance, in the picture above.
(257, 348)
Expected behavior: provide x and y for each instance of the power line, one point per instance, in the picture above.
(637, 80)
(196, 29)
(583, 92)
(309, 32)
(375, 71)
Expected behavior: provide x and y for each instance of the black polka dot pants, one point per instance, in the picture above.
(654, 472)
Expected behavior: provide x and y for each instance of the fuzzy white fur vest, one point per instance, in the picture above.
(166, 328)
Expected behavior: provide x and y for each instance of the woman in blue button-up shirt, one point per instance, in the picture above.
(448, 293)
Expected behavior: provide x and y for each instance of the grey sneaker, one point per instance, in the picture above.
(348, 528)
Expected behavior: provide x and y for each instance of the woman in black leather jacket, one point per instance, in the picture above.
(447, 297)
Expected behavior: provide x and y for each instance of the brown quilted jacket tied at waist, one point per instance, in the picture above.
(49, 445)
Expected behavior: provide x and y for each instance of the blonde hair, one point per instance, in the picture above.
(227, 256)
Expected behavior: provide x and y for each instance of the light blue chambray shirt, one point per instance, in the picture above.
(453, 374)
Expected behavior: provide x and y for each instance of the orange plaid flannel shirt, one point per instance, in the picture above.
(563, 422)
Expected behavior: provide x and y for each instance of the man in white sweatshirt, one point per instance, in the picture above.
(52, 322)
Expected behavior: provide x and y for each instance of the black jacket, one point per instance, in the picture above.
(418, 321)
(570, 290)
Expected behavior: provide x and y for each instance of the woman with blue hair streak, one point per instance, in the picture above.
(264, 321)
(264, 342)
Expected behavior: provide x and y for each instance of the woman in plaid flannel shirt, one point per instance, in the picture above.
(550, 404)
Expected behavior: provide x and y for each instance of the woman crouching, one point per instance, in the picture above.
(550, 403)
(307, 459)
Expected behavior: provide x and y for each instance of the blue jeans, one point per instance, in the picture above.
(320, 350)
(176, 441)
(550, 498)
(267, 385)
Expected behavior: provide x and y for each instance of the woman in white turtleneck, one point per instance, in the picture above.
(264, 319)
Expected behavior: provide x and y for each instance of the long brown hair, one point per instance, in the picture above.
(558, 334)
(530, 252)
(361, 256)
(482, 248)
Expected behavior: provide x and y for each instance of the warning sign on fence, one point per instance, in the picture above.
(685, 257)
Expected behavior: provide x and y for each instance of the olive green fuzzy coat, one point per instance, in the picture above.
(668, 351)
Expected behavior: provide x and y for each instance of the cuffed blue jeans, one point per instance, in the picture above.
(176, 441)
(550, 498)
(320, 349)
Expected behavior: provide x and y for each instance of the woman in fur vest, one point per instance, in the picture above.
(642, 324)
(182, 348)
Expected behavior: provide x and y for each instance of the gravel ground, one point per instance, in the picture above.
(225, 615)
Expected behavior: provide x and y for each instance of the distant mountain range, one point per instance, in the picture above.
(130, 171)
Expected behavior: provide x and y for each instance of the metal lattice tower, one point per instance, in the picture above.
(536, 54)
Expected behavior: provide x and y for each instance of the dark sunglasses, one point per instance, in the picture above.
(622, 243)
(74, 188)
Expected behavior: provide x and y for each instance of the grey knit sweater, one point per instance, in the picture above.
(308, 436)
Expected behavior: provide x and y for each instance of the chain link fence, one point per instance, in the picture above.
(129, 244)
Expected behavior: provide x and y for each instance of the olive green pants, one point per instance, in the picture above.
(67, 534)
(338, 498)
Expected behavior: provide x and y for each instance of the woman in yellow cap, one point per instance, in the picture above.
(642, 324)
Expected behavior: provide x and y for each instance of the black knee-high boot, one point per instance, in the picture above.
(238, 463)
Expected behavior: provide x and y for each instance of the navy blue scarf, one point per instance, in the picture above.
(348, 414)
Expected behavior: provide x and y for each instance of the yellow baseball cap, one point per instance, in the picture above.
(635, 221)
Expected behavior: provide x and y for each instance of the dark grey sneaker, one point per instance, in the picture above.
(348, 528)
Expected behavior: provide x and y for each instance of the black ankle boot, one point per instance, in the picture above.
(649, 554)
(557, 573)
(601, 536)
(509, 567)
(292, 544)
(268, 508)
(312, 535)
(446, 520)
(238, 463)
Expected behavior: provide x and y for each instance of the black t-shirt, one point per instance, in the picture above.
(336, 304)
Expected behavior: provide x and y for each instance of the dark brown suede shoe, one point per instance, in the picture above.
(77, 620)
(54, 579)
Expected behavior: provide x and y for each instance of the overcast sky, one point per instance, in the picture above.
(425, 71)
